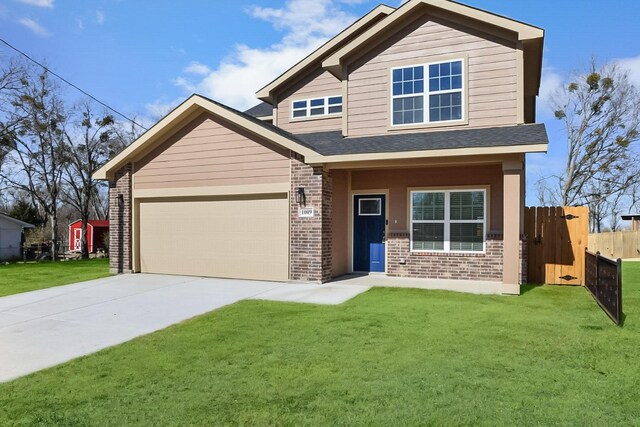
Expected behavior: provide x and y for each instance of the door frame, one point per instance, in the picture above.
(352, 195)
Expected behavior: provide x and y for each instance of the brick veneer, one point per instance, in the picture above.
(524, 253)
(486, 266)
(120, 222)
(311, 238)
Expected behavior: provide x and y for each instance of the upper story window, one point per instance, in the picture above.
(427, 93)
(316, 107)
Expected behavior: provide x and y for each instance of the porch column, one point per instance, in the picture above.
(512, 171)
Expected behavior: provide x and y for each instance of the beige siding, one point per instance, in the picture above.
(320, 83)
(492, 75)
(206, 153)
(238, 237)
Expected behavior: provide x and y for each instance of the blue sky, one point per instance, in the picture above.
(143, 57)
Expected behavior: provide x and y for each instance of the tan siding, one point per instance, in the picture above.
(320, 83)
(206, 153)
(492, 75)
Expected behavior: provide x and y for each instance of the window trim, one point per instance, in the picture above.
(369, 214)
(448, 221)
(308, 108)
(425, 94)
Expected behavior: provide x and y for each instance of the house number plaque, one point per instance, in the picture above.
(305, 212)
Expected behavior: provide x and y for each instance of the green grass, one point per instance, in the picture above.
(16, 278)
(387, 357)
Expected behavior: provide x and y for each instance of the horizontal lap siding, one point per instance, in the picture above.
(316, 85)
(206, 153)
(492, 79)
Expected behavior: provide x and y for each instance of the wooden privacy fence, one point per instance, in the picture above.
(556, 243)
(618, 244)
(603, 278)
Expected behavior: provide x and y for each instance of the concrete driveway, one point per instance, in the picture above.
(43, 328)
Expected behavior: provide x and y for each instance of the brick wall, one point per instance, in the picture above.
(120, 222)
(486, 266)
(311, 238)
(523, 260)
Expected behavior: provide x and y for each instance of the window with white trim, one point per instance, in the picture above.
(448, 220)
(316, 107)
(439, 99)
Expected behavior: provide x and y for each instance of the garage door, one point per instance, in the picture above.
(234, 237)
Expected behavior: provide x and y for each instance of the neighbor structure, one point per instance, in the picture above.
(11, 237)
(97, 230)
(397, 147)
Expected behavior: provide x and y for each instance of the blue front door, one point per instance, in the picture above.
(368, 232)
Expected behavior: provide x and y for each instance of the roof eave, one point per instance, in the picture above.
(266, 93)
(449, 152)
(334, 62)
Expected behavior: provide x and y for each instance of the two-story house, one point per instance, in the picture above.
(397, 147)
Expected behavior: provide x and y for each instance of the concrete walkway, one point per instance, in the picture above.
(478, 287)
(43, 328)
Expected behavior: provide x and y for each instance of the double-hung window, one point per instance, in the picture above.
(427, 93)
(316, 107)
(448, 220)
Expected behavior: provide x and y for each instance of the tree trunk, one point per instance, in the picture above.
(54, 236)
(84, 244)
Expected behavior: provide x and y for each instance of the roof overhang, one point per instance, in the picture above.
(522, 32)
(183, 114)
(319, 159)
(17, 221)
(266, 93)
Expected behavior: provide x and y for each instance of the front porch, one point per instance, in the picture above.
(448, 220)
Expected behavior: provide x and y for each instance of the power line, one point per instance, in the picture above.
(71, 84)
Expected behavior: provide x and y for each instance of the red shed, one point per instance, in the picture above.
(96, 229)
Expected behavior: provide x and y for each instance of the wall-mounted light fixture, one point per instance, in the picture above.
(301, 199)
(120, 200)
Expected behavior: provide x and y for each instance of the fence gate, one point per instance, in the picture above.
(556, 241)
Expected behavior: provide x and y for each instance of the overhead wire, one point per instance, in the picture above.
(71, 84)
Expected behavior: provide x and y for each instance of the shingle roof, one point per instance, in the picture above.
(333, 143)
(263, 109)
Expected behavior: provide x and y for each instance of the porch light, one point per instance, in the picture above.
(301, 199)
(120, 200)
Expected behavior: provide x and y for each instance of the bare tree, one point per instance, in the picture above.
(12, 74)
(600, 110)
(89, 143)
(34, 162)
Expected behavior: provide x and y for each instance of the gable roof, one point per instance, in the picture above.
(188, 110)
(335, 61)
(94, 222)
(16, 221)
(380, 12)
(264, 109)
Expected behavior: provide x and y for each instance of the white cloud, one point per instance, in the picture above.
(305, 24)
(38, 3)
(80, 23)
(35, 27)
(550, 88)
(633, 66)
(197, 68)
(100, 17)
(160, 108)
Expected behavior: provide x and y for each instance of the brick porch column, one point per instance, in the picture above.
(120, 221)
(512, 203)
(311, 238)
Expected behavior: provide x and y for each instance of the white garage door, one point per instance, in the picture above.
(234, 237)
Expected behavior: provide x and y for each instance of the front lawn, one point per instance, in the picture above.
(387, 357)
(16, 278)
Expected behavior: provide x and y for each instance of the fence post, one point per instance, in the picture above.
(598, 273)
(619, 268)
